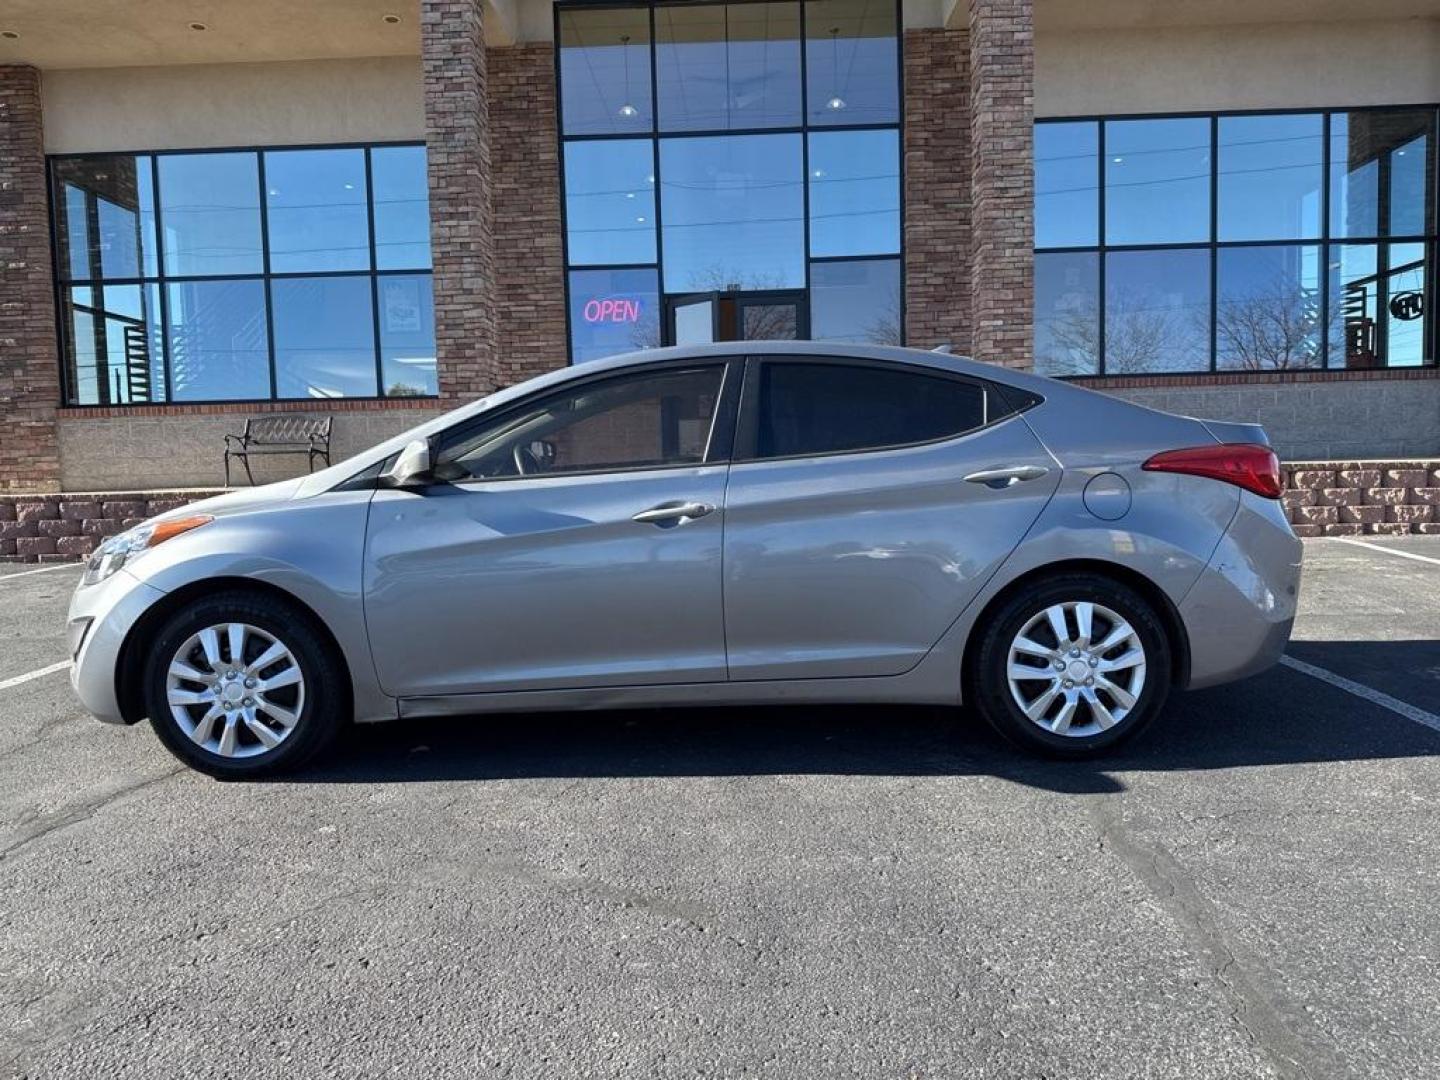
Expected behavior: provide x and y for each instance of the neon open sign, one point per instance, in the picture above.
(612, 309)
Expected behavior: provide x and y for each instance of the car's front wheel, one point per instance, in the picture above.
(1072, 665)
(243, 684)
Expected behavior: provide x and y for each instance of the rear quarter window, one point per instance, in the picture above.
(820, 408)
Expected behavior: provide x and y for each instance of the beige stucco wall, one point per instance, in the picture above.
(129, 453)
(201, 105)
(1238, 66)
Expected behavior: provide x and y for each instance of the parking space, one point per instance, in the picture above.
(1247, 892)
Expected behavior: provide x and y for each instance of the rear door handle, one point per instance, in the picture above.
(1007, 476)
(673, 513)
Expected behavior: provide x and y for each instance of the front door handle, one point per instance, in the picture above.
(1007, 476)
(673, 513)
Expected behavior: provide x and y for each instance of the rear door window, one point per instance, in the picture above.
(804, 408)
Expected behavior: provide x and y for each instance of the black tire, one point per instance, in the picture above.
(987, 684)
(325, 706)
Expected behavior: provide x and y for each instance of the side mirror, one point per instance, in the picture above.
(411, 468)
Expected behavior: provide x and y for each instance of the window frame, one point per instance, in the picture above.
(654, 133)
(60, 283)
(1325, 241)
(718, 443)
(998, 408)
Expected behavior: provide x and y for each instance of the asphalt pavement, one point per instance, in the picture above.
(1249, 891)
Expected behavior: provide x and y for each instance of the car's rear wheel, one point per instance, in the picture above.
(1071, 665)
(243, 684)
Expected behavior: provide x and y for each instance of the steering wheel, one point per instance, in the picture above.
(525, 461)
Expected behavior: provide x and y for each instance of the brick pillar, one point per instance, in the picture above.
(29, 359)
(529, 255)
(937, 189)
(457, 139)
(1002, 176)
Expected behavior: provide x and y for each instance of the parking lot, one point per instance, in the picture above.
(1250, 890)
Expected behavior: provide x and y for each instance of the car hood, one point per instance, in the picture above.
(234, 502)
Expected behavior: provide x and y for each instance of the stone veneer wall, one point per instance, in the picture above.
(1002, 180)
(457, 143)
(525, 202)
(1330, 498)
(937, 189)
(29, 360)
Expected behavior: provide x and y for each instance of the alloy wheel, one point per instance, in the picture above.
(1076, 669)
(235, 690)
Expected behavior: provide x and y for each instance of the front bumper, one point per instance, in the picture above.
(1240, 612)
(100, 618)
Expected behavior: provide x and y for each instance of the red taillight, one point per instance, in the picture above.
(1251, 466)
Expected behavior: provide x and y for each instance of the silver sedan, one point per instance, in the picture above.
(786, 522)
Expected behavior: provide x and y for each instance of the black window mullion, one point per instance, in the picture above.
(265, 270)
(1214, 241)
(1101, 302)
(374, 279)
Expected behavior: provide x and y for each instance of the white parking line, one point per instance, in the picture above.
(42, 570)
(1375, 697)
(37, 673)
(1388, 551)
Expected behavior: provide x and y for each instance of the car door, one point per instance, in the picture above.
(867, 505)
(576, 543)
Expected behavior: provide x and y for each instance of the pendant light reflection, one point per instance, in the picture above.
(836, 102)
(628, 111)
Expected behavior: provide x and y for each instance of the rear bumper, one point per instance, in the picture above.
(1240, 612)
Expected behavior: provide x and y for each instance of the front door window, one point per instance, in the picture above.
(700, 318)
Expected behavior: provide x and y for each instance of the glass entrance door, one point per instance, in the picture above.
(700, 318)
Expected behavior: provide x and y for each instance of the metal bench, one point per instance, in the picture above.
(307, 435)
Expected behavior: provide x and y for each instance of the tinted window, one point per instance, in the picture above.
(407, 335)
(324, 337)
(316, 213)
(824, 408)
(1157, 311)
(851, 62)
(1067, 184)
(733, 212)
(613, 311)
(605, 70)
(723, 66)
(1378, 165)
(1267, 308)
(610, 201)
(218, 348)
(1067, 313)
(117, 190)
(211, 209)
(1271, 176)
(855, 300)
(1157, 181)
(631, 421)
(854, 193)
(402, 207)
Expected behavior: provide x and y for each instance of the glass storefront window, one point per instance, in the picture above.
(1067, 184)
(1157, 311)
(733, 212)
(1379, 162)
(1271, 177)
(1268, 308)
(613, 311)
(856, 301)
(775, 154)
(1157, 181)
(605, 70)
(315, 203)
(1322, 254)
(105, 216)
(324, 337)
(407, 336)
(1067, 313)
(727, 66)
(610, 201)
(401, 197)
(851, 62)
(854, 192)
(217, 336)
(210, 206)
(164, 286)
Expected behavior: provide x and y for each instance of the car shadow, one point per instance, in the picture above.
(1280, 717)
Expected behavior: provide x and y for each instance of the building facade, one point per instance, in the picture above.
(376, 209)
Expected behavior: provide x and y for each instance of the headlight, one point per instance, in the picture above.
(131, 544)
